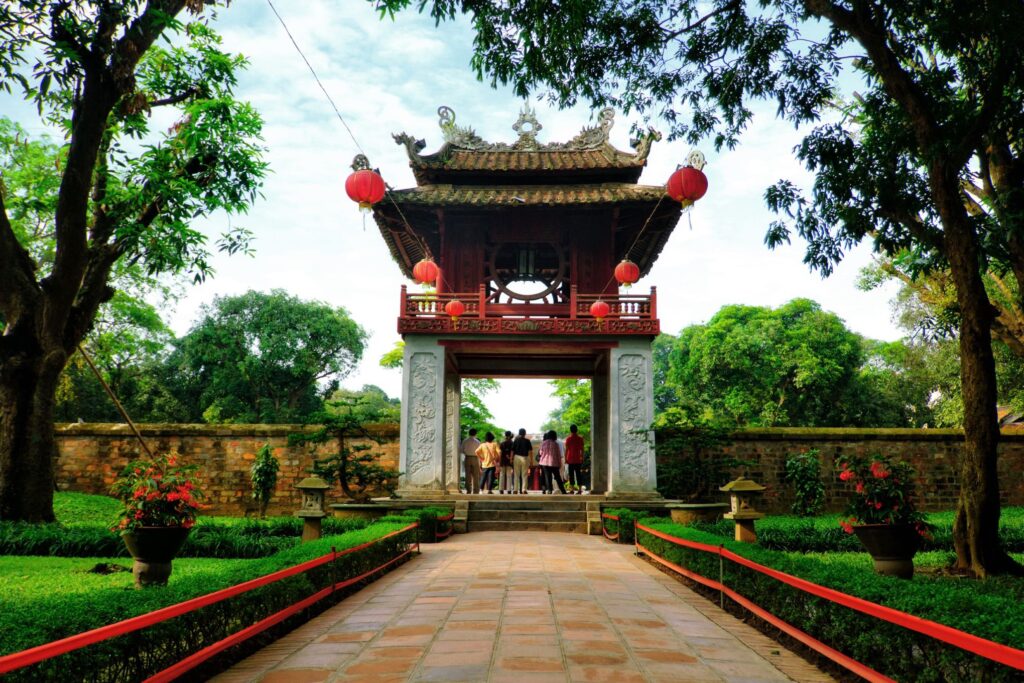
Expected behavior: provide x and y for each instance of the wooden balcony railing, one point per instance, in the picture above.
(628, 314)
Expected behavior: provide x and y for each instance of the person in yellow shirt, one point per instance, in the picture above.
(490, 454)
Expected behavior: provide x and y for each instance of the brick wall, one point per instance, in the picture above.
(92, 455)
(934, 453)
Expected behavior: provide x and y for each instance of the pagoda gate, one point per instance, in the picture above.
(526, 236)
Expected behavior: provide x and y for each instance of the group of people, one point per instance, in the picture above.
(510, 462)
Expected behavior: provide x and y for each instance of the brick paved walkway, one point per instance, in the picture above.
(522, 608)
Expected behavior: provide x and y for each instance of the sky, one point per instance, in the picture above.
(391, 76)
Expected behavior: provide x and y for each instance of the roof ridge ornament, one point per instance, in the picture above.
(527, 126)
(462, 137)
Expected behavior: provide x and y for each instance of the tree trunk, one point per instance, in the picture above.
(28, 450)
(976, 528)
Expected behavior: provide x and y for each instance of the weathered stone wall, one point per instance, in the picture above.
(934, 454)
(92, 456)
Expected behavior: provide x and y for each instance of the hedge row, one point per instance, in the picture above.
(427, 519)
(894, 651)
(823, 534)
(624, 525)
(29, 622)
(210, 538)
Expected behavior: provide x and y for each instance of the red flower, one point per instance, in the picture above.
(847, 475)
(847, 527)
(878, 470)
(878, 505)
(860, 487)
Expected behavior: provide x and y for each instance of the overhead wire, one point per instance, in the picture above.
(408, 228)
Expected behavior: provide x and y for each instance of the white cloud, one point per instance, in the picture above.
(387, 77)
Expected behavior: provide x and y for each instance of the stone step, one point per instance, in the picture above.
(562, 527)
(527, 515)
(555, 503)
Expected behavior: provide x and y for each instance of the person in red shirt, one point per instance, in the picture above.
(574, 458)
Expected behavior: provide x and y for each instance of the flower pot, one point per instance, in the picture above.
(153, 548)
(892, 547)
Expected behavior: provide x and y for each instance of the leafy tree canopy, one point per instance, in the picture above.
(262, 357)
(127, 193)
(796, 365)
(573, 408)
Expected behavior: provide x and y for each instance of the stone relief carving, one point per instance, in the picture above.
(451, 434)
(634, 419)
(422, 415)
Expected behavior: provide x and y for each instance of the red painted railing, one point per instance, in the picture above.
(988, 649)
(35, 655)
(627, 314)
(604, 529)
(440, 536)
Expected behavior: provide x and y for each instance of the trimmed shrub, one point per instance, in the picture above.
(27, 622)
(211, 537)
(627, 517)
(983, 609)
(823, 534)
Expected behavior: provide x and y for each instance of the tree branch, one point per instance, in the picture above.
(728, 7)
(19, 291)
(174, 99)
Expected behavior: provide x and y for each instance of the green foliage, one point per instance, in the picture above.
(573, 409)
(222, 537)
(824, 534)
(355, 467)
(260, 357)
(627, 518)
(794, 366)
(803, 473)
(263, 475)
(883, 491)
(157, 492)
(983, 608)
(67, 604)
(690, 468)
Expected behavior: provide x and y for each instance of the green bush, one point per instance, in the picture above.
(627, 517)
(29, 619)
(979, 608)
(823, 534)
(211, 537)
(803, 473)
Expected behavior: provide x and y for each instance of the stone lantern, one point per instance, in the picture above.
(741, 507)
(312, 510)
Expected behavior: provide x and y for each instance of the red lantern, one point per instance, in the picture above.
(425, 272)
(366, 187)
(600, 310)
(687, 185)
(627, 272)
(455, 308)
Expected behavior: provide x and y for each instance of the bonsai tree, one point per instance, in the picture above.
(354, 466)
(264, 477)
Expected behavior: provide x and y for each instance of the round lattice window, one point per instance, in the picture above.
(528, 271)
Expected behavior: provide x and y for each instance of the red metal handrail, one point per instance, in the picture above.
(1003, 654)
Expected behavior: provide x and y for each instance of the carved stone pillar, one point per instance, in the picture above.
(422, 442)
(600, 410)
(631, 389)
(452, 440)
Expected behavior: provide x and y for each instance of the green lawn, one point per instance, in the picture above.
(25, 579)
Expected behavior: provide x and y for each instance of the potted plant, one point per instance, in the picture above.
(882, 512)
(160, 501)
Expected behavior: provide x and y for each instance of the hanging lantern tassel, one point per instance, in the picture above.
(455, 308)
(599, 309)
(627, 273)
(688, 183)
